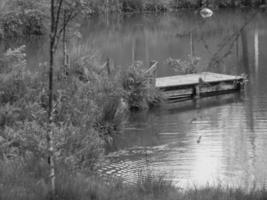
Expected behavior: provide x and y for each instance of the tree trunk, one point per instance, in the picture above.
(50, 141)
(64, 40)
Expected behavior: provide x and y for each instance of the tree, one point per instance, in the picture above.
(62, 13)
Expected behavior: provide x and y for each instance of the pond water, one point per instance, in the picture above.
(220, 140)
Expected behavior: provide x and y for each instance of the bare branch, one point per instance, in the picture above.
(70, 17)
(58, 15)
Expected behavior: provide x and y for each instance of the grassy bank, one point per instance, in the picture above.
(28, 181)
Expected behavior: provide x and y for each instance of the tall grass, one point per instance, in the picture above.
(131, 87)
(139, 92)
(3, 4)
(27, 181)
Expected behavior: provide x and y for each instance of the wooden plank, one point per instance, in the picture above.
(152, 69)
(190, 93)
(193, 79)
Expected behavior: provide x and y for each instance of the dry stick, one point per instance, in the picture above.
(56, 19)
(232, 39)
(207, 47)
(108, 66)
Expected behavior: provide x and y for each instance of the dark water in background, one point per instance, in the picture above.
(233, 128)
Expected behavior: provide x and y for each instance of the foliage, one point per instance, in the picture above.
(101, 6)
(186, 66)
(22, 18)
(103, 88)
(157, 5)
(91, 105)
(23, 115)
(139, 92)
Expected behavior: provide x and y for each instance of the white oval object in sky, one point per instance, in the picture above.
(206, 12)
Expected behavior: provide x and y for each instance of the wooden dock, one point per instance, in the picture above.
(194, 86)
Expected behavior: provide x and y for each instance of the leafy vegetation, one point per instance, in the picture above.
(29, 17)
(23, 115)
(187, 66)
(22, 18)
(139, 92)
(90, 106)
(122, 6)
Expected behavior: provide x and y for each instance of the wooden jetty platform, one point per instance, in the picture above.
(194, 86)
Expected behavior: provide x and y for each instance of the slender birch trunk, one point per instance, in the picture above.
(50, 141)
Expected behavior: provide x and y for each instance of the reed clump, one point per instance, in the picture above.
(140, 93)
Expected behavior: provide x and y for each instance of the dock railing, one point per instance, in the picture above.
(152, 72)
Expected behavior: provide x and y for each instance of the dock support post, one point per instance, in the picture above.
(241, 85)
(197, 91)
(108, 66)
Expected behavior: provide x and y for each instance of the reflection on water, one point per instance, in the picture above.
(219, 140)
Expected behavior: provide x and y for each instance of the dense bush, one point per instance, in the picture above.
(22, 18)
(139, 92)
(164, 5)
(23, 116)
(90, 106)
(185, 66)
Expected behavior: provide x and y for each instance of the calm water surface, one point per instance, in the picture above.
(220, 140)
(231, 130)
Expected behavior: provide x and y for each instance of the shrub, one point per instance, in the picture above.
(101, 87)
(139, 93)
(132, 5)
(23, 116)
(23, 18)
(156, 6)
(185, 66)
